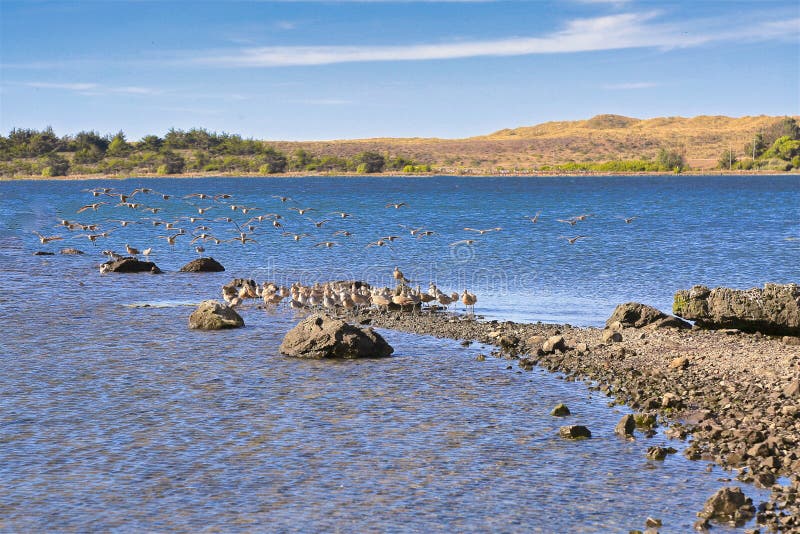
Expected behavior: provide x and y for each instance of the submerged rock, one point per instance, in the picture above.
(43, 253)
(71, 251)
(775, 309)
(729, 505)
(560, 410)
(626, 426)
(214, 315)
(659, 453)
(574, 432)
(203, 265)
(320, 336)
(636, 315)
(129, 265)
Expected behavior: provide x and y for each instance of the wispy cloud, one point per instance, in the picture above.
(322, 101)
(630, 85)
(67, 86)
(95, 89)
(613, 32)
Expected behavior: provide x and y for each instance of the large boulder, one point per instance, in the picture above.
(214, 315)
(772, 310)
(320, 336)
(636, 315)
(129, 265)
(729, 505)
(203, 265)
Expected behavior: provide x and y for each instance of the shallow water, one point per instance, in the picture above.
(113, 415)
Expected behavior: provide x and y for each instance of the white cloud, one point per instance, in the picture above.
(94, 89)
(322, 101)
(67, 86)
(613, 32)
(630, 85)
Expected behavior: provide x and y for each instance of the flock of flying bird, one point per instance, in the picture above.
(214, 219)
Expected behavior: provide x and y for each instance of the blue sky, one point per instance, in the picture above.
(324, 70)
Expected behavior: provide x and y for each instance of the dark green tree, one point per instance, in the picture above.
(670, 160)
(756, 147)
(370, 162)
(118, 146)
(55, 165)
(301, 159)
(150, 142)
(727, 160)
(172, 163)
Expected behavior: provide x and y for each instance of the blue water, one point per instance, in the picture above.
(116, 416)
(713, 230)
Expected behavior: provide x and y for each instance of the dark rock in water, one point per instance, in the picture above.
(659, 453)
(644, 420)
(626, 426)
(129, 265)
(729, 505)
(71, 251)
(636, 315)
(651, 522)
(214, 315)
(320, 336)
(203, 265)
(560, 410)
(43, 253)
(773, 310)
(574, 432)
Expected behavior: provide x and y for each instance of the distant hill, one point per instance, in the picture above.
(605, 137)
(604, 143)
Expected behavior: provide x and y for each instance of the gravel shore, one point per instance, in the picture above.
(735, 396)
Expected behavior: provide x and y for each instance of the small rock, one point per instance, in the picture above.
(535, 342)
(582, 347)
(553, 344)
(43, 253)
(560, 410)
(792, 389)
(644, 420)
(203, 265)
(320, 336)
(214, 315)
(611, 336)
(574, 432)
(652, 522)
(681, 362)
(729, 505)
(626, 426)
(480, 358)
(71, 251)
(508, 341)
(129, 265)
(466, 343)
(659, 453)
(791, 340)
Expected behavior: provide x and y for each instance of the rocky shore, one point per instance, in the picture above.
(735, 396)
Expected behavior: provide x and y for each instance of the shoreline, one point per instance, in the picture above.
(735, 396)
(467, 174)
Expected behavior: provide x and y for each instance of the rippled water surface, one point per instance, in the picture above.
(114, 415)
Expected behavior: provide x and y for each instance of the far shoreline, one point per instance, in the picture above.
(473, 173)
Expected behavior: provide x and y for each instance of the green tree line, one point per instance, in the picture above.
(33, 152)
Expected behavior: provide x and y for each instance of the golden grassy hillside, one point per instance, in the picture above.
(605, 137)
